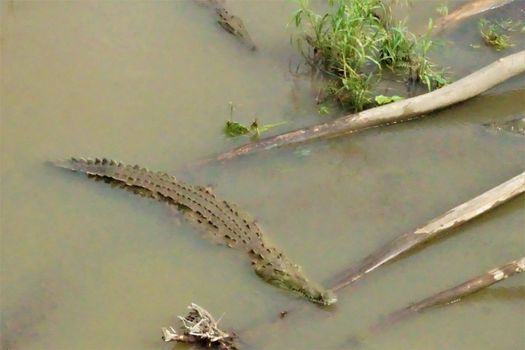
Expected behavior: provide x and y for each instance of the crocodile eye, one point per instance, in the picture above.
(279, 272)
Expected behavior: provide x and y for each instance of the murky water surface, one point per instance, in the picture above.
(84, 266)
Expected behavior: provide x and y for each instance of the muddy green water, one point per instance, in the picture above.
(84, 266)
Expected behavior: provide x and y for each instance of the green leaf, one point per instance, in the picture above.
(442, 10)
(324, 110)
(383, 100)
(430, 24)
(266, 127)
(233, 129)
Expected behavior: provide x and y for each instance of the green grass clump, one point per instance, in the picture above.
(356, 40)
(493, 35)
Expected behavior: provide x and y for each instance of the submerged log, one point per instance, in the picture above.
(461, 90)
(456, 293)
(435, 228)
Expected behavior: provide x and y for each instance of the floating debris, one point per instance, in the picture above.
(200, 327)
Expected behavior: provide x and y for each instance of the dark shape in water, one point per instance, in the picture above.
(234, 25)
(515, 125)
(231, 23)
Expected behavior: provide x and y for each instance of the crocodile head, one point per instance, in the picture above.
(290, 277)
(235, 26)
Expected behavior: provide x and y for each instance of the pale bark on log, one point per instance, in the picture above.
(456, 293)
(461, 90)
(465, 11)
(435, 228)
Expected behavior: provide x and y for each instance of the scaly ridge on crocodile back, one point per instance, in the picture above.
(223, 220)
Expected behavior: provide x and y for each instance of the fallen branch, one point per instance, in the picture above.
(461, 90)
(505, 293)
(199, 327)
(456, 293)
(465, 11)
(453, 218)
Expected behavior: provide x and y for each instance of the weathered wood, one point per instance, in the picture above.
(435, 228)
(456, 293)
(461, 90)
(200, 327)
(465, 11)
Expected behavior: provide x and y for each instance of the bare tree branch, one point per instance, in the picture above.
(435, 228)
(458, 292)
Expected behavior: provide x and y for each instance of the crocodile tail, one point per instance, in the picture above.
(112, 170)
(95, 166)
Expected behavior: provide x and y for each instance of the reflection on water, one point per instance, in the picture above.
(84, 266)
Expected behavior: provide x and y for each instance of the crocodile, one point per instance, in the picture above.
(231, 23)
(515, 125)
(234, 25)
(224, 221)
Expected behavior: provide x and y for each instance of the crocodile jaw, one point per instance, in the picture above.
(292, 279)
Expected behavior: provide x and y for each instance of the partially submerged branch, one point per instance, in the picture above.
(461, 90)
(472, 8)
(199, 327)
(456, 293)
(435, 228)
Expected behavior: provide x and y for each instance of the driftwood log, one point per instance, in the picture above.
(461, 90)
(435, 228)
(456, 293)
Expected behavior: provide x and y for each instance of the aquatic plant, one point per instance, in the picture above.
(234, 129)
(383, 100)
(354, 41)
(442, 10)
(324, 110)
(493, 35)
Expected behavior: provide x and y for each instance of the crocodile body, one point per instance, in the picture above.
(516, 125)
(226, 223)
